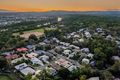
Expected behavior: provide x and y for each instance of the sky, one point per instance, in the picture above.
(68, 5)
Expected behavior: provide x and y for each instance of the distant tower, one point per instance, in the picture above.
(59, 19)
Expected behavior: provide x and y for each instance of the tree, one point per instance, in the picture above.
(33, 37)
(115, 69)
(106, 75)
(3, 63)
(83, 77)
(28, 77)
(34, 78)
(64, 73)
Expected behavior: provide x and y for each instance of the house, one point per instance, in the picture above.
(116, 78)
(73, 46)
(72, 55)
(64, 63)
(90, 55)
(8, 53)
(109, 37)
(24, 69)
(117, 42)
(94, 78)
(93, 63)
(76, 47)
(85, 50)
(42, 43)
(22, 49)
(37, 61)
(12, 56)
(46, 41)
(66, 44)
(99, 30)
(44, 58)
(73, 33)
(87, 34)
(75, 42)
(21, 66)
(67, 52)
(30, 47)
(16, 60)
(76, 36)
(85, 61)
(56, 40)
(32, 55)
(81, 30)
(58, 49)
(53, 52)
(62, 43)
(116, 58)
(72, 67)
(83, 55)
(40, 52)
(63, 47)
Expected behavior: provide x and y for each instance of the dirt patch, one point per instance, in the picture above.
(27, 34)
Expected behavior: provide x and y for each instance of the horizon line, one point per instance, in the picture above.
(5, 10)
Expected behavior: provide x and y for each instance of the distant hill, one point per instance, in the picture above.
(104, 13)
(61, 12)
(3, 10)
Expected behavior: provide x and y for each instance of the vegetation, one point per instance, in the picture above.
(7, 77)
(102, 49)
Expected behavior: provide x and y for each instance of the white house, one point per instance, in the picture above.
(109, 37)
(90, 55)
(85, 61)
(87, 34)
(37, 61)
(67, 52)
(76, 36)
(94, 78)
(99, 30)
(24, 69)
(71, 68)
(116, 58)
(44, 58)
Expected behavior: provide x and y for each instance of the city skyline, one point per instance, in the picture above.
(48, 5)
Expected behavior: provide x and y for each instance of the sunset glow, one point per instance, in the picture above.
(69, 5)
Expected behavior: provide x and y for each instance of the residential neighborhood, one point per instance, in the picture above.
(51, 54)
(63, 46)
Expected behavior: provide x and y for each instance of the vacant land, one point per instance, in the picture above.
(37, 32)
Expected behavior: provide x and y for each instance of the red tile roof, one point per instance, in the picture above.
(22, 49)
(14, 56)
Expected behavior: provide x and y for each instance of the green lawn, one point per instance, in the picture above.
(35, 30)
(7, 76)
(41, 30)
(4, 77)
